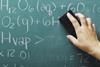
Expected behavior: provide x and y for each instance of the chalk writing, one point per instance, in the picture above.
(13, 65)
(21, 22)
(18, 41)
(4, 5)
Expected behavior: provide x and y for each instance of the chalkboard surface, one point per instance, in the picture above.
(31, 35)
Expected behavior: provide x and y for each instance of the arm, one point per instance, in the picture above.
(86, 35)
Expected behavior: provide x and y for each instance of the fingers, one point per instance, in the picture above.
(82, 19)
(89, 22)
(72, 39)
(73, 21)
(90, 25)
(94, 28)
(86, 21)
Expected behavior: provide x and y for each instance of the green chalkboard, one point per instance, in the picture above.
(31, 35)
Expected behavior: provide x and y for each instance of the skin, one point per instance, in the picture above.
(86, 35)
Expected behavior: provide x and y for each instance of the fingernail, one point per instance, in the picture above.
(67, 36)
(68, 14)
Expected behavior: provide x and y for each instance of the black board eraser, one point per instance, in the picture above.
(64, 20)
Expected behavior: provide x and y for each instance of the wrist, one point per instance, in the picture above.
(95, 51)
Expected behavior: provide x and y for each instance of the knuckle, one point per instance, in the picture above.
(79, 31)
(80, 15)
(90, 23)
(75, 21)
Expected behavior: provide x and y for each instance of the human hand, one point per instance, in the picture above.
(86, 35)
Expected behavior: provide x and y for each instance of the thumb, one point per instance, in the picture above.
(72, 39)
